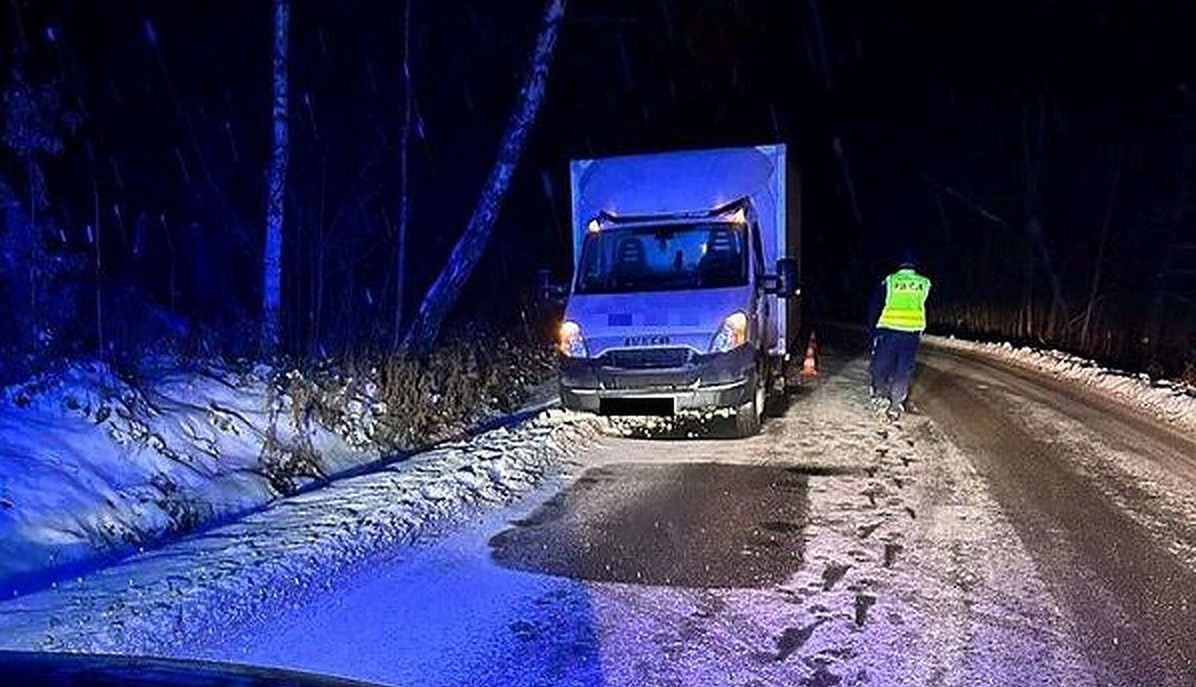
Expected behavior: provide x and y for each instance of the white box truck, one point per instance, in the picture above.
(685, 288)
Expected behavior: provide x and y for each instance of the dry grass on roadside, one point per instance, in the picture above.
(408, 404)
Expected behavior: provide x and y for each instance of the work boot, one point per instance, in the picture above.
(896, 408)
(877, 402)
(877, 399)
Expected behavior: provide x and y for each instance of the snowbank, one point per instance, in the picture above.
(202, 586)
(92, 464)
(1170, 401)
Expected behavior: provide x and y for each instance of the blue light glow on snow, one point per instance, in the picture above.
(447, 615)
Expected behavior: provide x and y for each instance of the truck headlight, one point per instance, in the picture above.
(731, 335)
(569, 340)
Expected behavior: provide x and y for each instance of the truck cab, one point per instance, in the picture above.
(684, 285)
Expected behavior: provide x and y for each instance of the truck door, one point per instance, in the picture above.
(765, 307)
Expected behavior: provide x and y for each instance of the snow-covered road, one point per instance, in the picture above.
(1020, 532)
(1100, 497)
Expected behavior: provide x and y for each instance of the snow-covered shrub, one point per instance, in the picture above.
(399, 403)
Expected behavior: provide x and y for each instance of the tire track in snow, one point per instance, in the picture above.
(1128, 598)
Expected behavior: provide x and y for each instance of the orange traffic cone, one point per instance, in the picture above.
(809, 366)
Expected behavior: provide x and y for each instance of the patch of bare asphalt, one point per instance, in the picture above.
(699, 525)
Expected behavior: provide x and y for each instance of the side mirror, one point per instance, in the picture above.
(549, 292)
(784, 282)
(787, 272)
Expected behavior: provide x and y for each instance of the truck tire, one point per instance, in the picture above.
(748, 415)
(776, 402)
(776, 396)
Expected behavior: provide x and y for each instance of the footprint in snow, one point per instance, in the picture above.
(863, 602)
(524, 630)
(791, 639)
(859, 555)
(832, 574)
(821, 678)
(864, 531)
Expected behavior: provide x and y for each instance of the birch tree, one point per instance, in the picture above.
(404, 186)
(443, 293)
(276, 193)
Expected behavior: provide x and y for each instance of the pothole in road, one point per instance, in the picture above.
(702, 525)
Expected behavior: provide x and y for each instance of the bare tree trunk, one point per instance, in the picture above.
(404, 186)
(34, 270)
(1157, 311)
(1033, 142)
(1100, 254)
(275, 201)
(448, 285)
(848, 182)
(820, 61)
(1026, 319)
(99, 271)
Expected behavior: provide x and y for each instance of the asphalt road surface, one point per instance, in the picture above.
(1131, 599)
(1016, 532)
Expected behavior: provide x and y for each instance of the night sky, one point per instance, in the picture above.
(988, 136)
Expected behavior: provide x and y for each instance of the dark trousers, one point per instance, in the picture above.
(893, 363)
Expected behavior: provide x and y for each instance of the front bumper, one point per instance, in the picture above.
(718, 380)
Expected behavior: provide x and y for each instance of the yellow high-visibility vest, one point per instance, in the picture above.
(905, 301)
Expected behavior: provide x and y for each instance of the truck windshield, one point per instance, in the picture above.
(668, 257)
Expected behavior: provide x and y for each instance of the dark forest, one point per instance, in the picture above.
(1038, 156)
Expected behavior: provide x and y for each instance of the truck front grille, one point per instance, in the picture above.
(647, 358)
(660, 381)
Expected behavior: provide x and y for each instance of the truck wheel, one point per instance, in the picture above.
(748, 415)
(776, 391)
(777, 400)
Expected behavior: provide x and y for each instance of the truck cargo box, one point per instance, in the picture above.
(696, 182)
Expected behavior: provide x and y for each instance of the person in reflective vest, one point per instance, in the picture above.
(898, 319)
